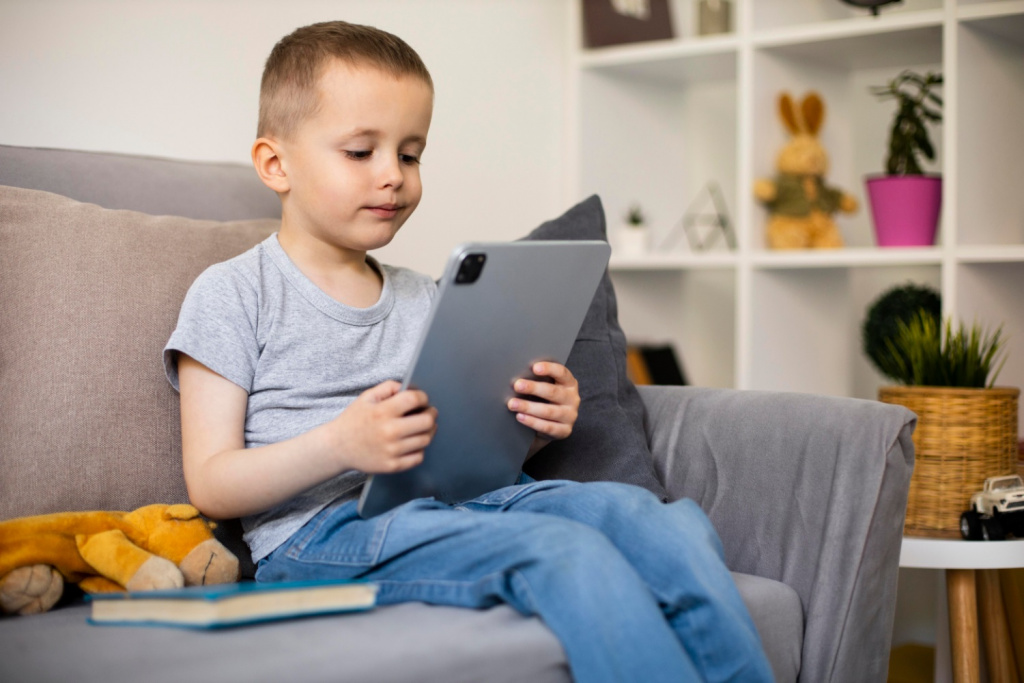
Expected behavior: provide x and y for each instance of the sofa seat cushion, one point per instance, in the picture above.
(399, 644)
(410, 642)
(779, 618)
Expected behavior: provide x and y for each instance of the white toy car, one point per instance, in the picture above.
(995, 510)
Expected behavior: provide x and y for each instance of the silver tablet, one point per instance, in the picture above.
(500, 307)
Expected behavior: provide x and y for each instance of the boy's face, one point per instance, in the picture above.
(353, 166)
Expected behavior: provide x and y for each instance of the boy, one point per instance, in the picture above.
(287, 357)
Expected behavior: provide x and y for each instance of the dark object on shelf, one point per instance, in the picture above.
(714, 16)
(655, 364)
(613, 22)
(711, 224)
(873, 5)
(900, 304)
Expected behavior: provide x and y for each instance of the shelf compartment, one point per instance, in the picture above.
(986, 9)
(633, 148)
(1008, 253)
(856, 127)
(990, 204)
(787, 15)
(859, 44)
(674, 261)
(854, 257)
(989, 294)
(807, 326)
(694, 311)
(674, 62)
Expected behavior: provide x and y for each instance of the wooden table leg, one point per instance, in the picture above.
(1012, 583)
(996, 633)
(963, 625)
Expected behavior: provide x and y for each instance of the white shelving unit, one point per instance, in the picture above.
(655, 122)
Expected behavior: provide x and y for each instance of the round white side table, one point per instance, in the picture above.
(972, 580)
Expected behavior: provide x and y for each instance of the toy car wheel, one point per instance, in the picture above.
(970, 526)
(992, 529)
(1013, 523)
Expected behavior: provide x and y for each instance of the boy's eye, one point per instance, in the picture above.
(409, 158)
(358, 154)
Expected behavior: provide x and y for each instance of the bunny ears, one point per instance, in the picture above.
(812, 108)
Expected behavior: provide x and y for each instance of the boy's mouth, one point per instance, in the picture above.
(384, 210)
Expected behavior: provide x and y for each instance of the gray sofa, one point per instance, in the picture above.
(807, 492)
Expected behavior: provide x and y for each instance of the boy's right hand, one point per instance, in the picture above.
(385, 430)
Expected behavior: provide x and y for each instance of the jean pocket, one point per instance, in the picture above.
(339, 536)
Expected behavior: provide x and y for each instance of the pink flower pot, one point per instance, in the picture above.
(905, 209)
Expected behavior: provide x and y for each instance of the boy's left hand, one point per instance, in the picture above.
(555, 418)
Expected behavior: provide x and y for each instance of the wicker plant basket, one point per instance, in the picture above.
(963, 436)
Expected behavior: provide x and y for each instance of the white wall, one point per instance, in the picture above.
(180, 78)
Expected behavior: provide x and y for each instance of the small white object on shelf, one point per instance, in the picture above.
(633, 240)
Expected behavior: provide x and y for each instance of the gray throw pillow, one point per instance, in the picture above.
(609, 442)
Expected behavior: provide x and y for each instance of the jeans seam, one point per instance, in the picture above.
(366, 558)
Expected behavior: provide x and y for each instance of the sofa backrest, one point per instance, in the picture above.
(210, 191)
(89, 294)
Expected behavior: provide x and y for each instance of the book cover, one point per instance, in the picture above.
(231, 604)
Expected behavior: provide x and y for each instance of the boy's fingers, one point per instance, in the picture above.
(555, 371)
(420, 423)
(554, 393)
(383, 391)
(405, 461)
(544, 390)
(408, 401)
(546, 411)
(555, 430)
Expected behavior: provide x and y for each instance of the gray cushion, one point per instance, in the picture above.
(88, 297)
(608, 442)
(400, 644)
(222, 192)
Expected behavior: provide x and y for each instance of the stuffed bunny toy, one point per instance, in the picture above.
(799, 202)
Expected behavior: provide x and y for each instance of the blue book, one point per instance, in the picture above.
(230, 604)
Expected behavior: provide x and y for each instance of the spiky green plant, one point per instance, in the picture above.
(924, 354)
(916, 105)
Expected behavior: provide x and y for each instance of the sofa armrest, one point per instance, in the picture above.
(807, 490)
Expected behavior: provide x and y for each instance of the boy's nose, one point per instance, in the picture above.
(391, 174)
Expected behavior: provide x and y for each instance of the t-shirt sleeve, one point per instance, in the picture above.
(217, 327)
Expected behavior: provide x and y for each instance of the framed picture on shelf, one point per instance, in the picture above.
(614, 22)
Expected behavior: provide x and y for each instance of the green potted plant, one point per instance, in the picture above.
(967, 427)
(634, 237)
(906, 201)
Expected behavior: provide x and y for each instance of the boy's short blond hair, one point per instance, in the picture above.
(288, 91)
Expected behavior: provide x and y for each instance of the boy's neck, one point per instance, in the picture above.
(344, 275)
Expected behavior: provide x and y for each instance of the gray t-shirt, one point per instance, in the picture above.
(301, 355)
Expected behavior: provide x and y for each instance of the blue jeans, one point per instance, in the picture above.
(635, 590)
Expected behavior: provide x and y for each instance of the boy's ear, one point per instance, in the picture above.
(266, 158)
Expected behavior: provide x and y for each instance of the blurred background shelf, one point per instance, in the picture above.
(654, 123)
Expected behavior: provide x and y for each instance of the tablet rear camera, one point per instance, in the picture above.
(470, 268)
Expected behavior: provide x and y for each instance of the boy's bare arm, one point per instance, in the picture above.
(554, 417)
(375, 434)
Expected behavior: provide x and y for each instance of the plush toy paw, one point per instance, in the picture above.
(209, 563)
(30, 590)
(156, 573)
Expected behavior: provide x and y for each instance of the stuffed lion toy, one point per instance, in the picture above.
(153, 547)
